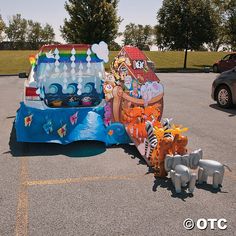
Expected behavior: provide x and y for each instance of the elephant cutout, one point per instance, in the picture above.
(180, 174)
(206, 167)
(211, 168)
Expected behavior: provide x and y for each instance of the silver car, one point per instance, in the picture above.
(224, 88)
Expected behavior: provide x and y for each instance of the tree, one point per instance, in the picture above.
(16, 30)
(219, 16)
(231, 24)
(91, 21)
(186, 24)
(2, 28)
(138, 35)
(159, 37)
(114, 46)
(47, 34)
(34, 32)
(225, 13)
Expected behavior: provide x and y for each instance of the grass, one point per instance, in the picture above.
(13, 62)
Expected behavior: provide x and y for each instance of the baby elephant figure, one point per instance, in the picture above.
(181, 176)
(179, 173)
(211, 168)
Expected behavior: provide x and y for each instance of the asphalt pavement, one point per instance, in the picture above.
(87, 189)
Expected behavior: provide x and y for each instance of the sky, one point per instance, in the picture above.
(53, 12)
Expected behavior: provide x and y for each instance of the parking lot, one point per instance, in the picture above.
(87, 189)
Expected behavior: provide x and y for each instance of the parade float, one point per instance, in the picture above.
(68, 97)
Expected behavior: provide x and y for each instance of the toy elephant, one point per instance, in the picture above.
(211, 168)
(207, 168)
(180, 174)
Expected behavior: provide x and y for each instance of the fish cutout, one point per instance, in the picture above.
(48, 127)
(74, 118)
(28, 120)
(62, 131)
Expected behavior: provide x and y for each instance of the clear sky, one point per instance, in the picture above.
(53, 12)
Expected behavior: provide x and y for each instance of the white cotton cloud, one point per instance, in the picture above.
(101, 50)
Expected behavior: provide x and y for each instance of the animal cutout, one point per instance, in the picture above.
(180, 174)
(108, 89)
(151, 139)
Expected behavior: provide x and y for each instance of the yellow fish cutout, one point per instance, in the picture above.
(62, 131)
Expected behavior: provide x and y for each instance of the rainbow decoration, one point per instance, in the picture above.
(47, 54)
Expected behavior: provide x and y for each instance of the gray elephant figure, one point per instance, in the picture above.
(207, 168)
(180, 174)
(211, 168)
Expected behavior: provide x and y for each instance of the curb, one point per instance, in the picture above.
(9, 75)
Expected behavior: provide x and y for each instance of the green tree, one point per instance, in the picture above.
(16, 30)
(47, 34)
(185, 24)
(224, 14)
(138, 35)
(38, 35)
(34, 32)
(114, 46)
(219, 16)
(158, 37)
(2, 28)
(91, 21)
(231, 24)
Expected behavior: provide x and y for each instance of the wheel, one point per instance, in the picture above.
(215, 69)
(224, 97)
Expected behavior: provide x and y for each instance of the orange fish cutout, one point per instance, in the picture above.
(62, 131)
(28, 120)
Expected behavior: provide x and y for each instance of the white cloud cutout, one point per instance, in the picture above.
(101, 50)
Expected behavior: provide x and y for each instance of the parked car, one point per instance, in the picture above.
(224, 88)
(226, 63)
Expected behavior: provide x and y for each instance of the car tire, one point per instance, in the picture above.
(215, 69)
(224, 96)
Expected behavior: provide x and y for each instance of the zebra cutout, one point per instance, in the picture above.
(167, 125)
(151, 139)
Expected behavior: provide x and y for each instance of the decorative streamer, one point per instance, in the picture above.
(88, 59)
(65, 77)
(57, 63)
(72, 58)
(80, 80)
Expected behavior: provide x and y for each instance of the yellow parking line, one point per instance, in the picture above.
(22, 206)
(78, 180)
